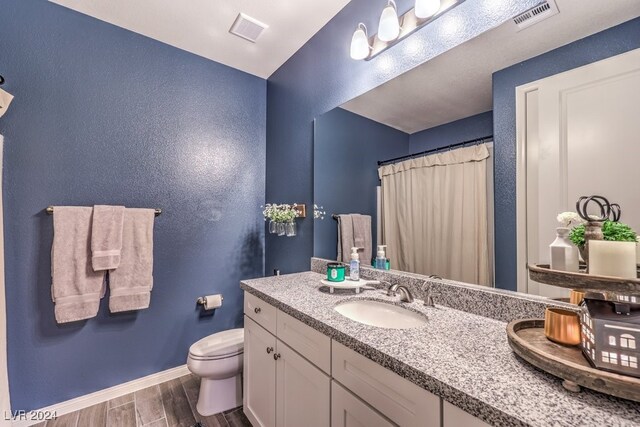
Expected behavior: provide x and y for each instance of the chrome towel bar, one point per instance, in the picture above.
(50, 211)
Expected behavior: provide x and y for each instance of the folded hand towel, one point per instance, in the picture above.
(362, 236)
(5, 100)
(130, 284)
(345, 238)
(106, 237)
(75, 288)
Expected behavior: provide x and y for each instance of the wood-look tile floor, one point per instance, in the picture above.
(170, 404)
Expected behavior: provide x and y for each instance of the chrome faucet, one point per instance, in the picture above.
(405, 294)
(428, 301)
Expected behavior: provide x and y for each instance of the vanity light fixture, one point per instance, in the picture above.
(392, 29)
(426, 8)
(360, 47)
(389, 26)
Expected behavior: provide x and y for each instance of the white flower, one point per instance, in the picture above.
(569, 218)
(318, 212)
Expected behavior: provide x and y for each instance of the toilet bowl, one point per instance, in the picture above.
(217, 360)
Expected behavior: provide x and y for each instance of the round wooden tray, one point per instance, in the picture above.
(527, 339)
(588, 282)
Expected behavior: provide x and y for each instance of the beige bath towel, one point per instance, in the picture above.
(106, 237)
(75, 288)
(130, 284)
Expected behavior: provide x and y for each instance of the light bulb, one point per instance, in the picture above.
(360, 48)
(389, 27)
(426, 8)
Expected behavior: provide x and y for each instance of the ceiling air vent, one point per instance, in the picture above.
(539, 13)
(247, 27)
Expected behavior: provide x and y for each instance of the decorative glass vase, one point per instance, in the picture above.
(290, 228)
(281, 229)
(563, 253)
(273, 229)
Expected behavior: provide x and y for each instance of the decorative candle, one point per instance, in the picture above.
(615, 259)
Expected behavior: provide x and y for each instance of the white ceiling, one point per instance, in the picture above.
(458, 84)
(202, 26)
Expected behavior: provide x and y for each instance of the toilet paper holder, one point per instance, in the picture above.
(200, 300)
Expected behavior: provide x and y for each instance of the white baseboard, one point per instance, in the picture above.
(94, 398)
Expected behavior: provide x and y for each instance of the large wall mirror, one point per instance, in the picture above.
(414, 159)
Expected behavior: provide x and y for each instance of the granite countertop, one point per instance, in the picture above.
(461, 357)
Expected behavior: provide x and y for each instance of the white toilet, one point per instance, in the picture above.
(217, 360)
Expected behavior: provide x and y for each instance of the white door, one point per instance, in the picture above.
(303, 396)
(349, 411)
(578, 136)
(259, 398)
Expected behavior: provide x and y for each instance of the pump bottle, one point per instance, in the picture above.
(381, 259)
(354, 265)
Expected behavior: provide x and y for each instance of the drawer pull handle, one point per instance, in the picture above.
(276, 356)
(257, 310)
(269, 350)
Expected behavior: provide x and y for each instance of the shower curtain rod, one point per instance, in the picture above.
(433, 150)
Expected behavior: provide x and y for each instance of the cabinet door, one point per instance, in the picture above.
(303, 391)
(259, 398)
(349, 411)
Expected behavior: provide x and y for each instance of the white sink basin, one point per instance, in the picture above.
(381, 314)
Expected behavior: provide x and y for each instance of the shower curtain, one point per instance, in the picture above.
(435, 215)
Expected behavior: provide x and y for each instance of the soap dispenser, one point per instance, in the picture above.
(354, 265)
(381, 259)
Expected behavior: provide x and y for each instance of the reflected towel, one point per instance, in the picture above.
(130, 284)
(75, 288)
(362, 237)
(345, 238)
(106, 237)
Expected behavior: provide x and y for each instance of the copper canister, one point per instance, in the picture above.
(576, 296)
(562, 326)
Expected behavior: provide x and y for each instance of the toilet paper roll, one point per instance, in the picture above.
(212, 301)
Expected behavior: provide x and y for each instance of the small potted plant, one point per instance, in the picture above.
(614, 255)
(612, 231)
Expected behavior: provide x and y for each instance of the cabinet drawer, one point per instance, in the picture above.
(347, 410)
(313, 345)
(452, 416)
(400, 400)
(262, 313)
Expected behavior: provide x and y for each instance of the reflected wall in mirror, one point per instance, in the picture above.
(448, 124)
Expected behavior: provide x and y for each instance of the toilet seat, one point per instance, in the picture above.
(221, 345)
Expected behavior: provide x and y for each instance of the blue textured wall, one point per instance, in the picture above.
(346, 149)
(461, 130)
(103, 115)
(613, 41)
(322, 76)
